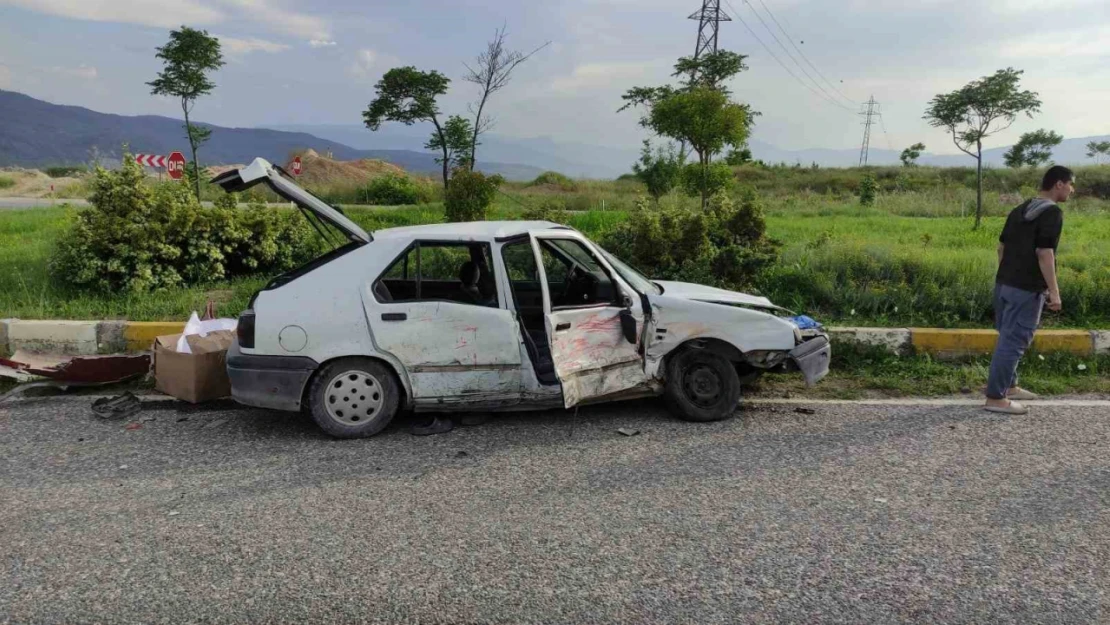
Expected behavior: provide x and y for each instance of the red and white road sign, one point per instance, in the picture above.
(175, 165)
(296, 169)
(150, 160)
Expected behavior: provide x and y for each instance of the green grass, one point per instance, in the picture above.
(6, 182)
(859, 373)
(910, 261)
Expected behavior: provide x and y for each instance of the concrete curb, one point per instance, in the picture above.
(107, 337)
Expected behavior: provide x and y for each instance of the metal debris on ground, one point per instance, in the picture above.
(628, 431)
(37, 370)
(117, 408)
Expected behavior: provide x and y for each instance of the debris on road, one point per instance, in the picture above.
(133, 426)
(805, 411)
(628, 431)
(117, 408)
(33, 370)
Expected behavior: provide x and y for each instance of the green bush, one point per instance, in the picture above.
(6, 182)
(868, 188)
(554, 179)
(726, 245)
(548, 209)
(137, 237)
(64, 171)
(659, 170)
(393, 190)
(469, 195)
(714, 179)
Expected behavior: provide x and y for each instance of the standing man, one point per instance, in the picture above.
(1026, 277)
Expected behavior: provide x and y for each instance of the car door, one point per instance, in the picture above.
(593, 358)
(458, 348)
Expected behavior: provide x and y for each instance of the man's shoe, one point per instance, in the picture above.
(1012, 408)
(1021, 394)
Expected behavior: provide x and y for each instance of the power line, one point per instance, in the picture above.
(803, 54)
(813, 80)
(779, 61)
(886, 134)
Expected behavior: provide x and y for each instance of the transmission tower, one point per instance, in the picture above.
(870, 112)
(708, 18)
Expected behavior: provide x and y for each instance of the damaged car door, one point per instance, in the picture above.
(439, 313)
(594, 322)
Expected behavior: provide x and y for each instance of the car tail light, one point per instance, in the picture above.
(245, 330)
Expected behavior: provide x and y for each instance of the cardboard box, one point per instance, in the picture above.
(197, 377)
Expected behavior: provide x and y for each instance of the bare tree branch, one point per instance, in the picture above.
(492, 72)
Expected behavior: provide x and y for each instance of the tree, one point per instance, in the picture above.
(456, 138)
(978, 110)
(408, 95)
(1098, 149)
(492, 71)
(911, 154)
(658, 170)
(188, 58)
(1032, 149)
(740, 156)
(700, 111)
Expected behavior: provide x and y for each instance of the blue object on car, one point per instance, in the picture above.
(805, 323)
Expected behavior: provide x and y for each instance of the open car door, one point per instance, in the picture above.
(594, 321)
(262, 171)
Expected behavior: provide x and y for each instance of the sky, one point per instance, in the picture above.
(297, 63)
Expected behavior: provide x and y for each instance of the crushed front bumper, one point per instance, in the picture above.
(812, 358)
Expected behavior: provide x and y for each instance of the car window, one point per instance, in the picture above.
(520, 262)
(584, 281)
(639, 281)
(435, 271)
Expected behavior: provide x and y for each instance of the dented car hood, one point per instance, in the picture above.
(701, 293)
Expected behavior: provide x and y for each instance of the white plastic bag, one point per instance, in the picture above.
(195, 326)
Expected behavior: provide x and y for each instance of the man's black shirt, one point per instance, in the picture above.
(1034, 225)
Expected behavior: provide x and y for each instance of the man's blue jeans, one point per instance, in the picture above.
(1017, 314)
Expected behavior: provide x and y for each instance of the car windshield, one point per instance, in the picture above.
(639, 281)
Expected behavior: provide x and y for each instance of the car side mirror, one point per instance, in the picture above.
(626, 300)
(628, 326)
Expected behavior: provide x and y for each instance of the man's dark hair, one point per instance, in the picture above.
(1056, 173)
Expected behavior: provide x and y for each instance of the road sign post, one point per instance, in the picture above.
(175, 166)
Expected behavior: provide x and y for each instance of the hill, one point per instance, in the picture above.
(34, 133)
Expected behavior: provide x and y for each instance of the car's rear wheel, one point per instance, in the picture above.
(353, 398)
(701, 386)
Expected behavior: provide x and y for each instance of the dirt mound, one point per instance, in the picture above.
(34, 183)
(318, 170)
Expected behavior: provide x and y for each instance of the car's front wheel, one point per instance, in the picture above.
(701, 386)
(353, 398)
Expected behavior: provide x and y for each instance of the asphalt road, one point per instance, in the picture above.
(854, 514)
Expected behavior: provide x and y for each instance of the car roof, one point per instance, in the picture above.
(479, 230)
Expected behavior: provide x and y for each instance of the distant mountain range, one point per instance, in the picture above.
(34, 133)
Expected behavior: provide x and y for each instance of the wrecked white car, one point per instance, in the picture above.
(493, 316)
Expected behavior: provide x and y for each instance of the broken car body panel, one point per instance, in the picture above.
(532, 345)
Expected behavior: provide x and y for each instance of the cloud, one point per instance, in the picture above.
(307, 26)
(369, 62)
(320, 43)
(82, 71)
(1087, 42)
(5, 77)
(233, 45)
(594, 75)
(143, 12)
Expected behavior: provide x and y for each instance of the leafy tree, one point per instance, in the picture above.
(978, 110)
(741, 156)
(911, 154)
(1098, 149)
(658, 170)
(408, 95)
(188, 58)
(711, 180)
(868, 190)
(700, 111)
(470, 194)
(456, 138)
(492, 71)
(1032, 149)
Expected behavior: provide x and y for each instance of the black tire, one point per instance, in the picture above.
(701, 386)
(342, 414)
